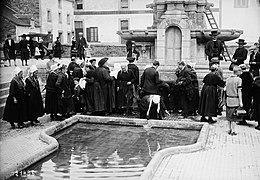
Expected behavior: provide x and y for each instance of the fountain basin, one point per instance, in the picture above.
(202, 35)
(154, 163)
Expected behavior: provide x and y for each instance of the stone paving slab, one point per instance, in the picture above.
(224, 158)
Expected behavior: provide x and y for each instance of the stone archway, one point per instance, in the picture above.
(173, 45)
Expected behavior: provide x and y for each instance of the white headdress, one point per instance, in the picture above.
(16, 71)
(33, 68)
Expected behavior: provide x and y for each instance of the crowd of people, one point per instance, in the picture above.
(82, 87)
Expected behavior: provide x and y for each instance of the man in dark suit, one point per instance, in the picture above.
(240, 54)
(150, 80)
(81, 45)
(131, 50)
(10, 45)
(214, 47)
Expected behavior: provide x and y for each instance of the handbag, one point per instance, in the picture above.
(241, 112)
(231, 66)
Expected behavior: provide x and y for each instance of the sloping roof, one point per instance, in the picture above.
(9, 14)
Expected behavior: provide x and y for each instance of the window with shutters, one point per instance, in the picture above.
(124, 4)
(241, 3)
(92, 34)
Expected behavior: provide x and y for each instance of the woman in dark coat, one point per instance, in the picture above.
(125, 82)
(65, 101)
(194, 104)
(35, 103)
(256, 102)
(51, 99)
(103, 101)
(247, 80)
(57, 48)
(16, 106)
(208, 105)
(24, 48)
(89, 91)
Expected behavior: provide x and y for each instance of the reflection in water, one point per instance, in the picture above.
(105, 151)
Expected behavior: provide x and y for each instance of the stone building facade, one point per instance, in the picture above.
(54, 17)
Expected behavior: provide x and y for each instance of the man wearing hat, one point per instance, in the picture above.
(240, 54)
(131, 49)
(214, 47)
(24, 49)
(255, 59)
(81, 45)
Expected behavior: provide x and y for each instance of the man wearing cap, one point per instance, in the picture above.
(81, 45)
(214, 47)
(35, 103)
(24, 49)
(10, 46)
(240, 54)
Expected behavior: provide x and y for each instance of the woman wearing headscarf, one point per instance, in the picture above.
(103, 101)
(51, 99)
(35, 103)
(208, 105)
(16, 107)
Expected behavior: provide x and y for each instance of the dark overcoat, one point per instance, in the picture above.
(256, 97)
(125, 92)
(57, 49)
(35, 103)
(89, 91)
(65, 101)
(150, 81)
(135, 70)
(247, 80)
(51, 99)
(240, 55)
(214, 49)
(103, 78)
(255, 63)
(81, 45)
(24, 48)
(208, 105)
(11, 48)
(16, 112)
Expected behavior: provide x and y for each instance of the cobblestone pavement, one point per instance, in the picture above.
(224, 158)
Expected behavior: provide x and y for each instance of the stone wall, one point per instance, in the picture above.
(6, 28)
(25, 7)
(100, 51)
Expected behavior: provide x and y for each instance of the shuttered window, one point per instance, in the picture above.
(241, 4)
(92, 34)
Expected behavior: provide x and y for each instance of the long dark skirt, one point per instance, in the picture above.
(99, 102)
(90, 97)
(35, 105)
(208, 105)
(16, 112)
(51, 102)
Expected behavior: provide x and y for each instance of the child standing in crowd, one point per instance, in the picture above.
(234, 99)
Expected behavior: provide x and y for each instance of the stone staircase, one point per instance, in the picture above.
(166, 73)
